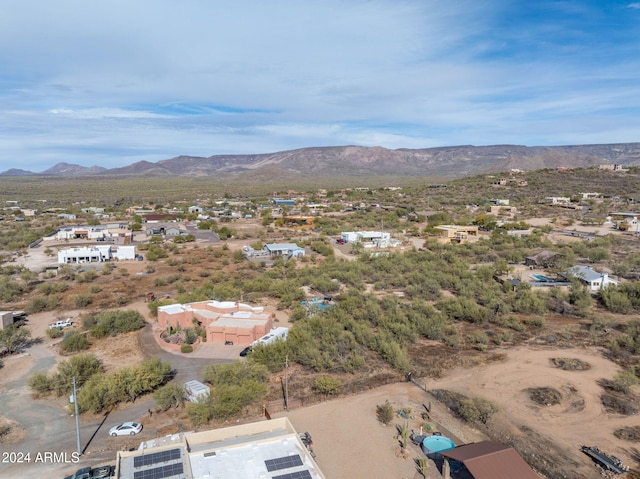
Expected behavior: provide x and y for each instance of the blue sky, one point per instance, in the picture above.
(113, 82)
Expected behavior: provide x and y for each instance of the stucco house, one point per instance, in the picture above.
(223, 321)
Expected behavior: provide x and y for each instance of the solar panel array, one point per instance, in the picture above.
(295, 475)
(284, 462)
(160, 472)
(156, 457)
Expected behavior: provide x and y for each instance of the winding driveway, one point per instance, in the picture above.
(50, 443)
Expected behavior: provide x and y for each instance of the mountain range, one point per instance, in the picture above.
(361, 161)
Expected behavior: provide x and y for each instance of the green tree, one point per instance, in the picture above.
(170, 395)
(14, 338)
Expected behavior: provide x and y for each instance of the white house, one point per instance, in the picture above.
(590, 277)
(284, 249)
(381, 239)
(96, 254)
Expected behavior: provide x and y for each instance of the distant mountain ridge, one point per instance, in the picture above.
(362, 161)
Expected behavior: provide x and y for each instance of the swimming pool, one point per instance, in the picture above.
(542, 278)
(435, 444)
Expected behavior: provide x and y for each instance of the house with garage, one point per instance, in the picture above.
(591, 278)
(223, 321)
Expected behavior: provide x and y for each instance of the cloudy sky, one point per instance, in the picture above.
(112, 82)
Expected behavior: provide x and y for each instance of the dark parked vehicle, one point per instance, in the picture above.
(101, 472)
(245, 351)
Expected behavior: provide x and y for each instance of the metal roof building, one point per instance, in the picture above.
(488, 460)
(268, 449)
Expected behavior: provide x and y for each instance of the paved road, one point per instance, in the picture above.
(51, 429)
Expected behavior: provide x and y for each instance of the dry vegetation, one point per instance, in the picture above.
(430, 311)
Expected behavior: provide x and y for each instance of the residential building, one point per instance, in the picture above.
(270, 449)
(96, 254)
(369, 239)
(223, 321)
(544, 259)
(455, 233)
(284, 249)
(487, 460)
(591, 278)
(283, 202)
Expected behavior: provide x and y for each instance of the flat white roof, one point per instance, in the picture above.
(266, 449)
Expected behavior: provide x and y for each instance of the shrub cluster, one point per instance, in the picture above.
(235, 386)
(112, 323)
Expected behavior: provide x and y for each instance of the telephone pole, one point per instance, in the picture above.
(75, 405)
(286, 382)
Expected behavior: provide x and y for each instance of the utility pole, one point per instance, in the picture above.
(286, 382)
(75, 405)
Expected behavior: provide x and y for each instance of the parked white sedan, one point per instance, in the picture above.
(125, 429)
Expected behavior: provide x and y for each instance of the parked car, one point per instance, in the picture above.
(61, 324)
(340, 241)
(125, 429)
(101, 472)
(245, 351)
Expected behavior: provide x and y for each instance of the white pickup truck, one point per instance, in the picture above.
(61, 324)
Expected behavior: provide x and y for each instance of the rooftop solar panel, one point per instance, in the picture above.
(161, 472)
(295, 475)
(284, 462)
(156, 457)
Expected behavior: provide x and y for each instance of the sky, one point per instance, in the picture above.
(113, 82)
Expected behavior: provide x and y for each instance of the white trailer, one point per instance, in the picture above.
(196, 391)
(279, 333)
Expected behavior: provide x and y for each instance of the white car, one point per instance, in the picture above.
(61, 324)
(125, 429)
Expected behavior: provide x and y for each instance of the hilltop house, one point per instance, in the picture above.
(589, 277)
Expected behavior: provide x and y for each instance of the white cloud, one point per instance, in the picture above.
(115, 81)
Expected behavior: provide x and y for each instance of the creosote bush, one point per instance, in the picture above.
(384, 413)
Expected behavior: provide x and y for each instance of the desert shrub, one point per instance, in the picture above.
(40, 383)
(478, 339)
(190, 336)
(326, 385)
(112, 323)
(477, 409)
(82, 366)
(168, 396)
(105, 391)
(628, 433)
(186, 348)
(384, 413)
(37, 304)
(200, 412)
(13, 338)
(83, 300)
(54, 333)
(630, 339)
(570, 364)
(273, 356)
(623, 381)
(234, 373)
(95, 288)
(11, 290)
(535, 322)
(74, 341)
